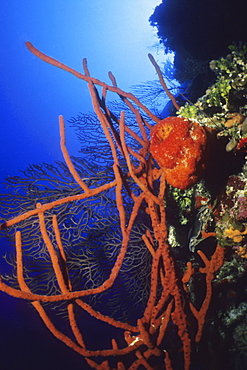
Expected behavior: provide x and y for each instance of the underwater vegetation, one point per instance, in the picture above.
(142, 238)
(202, 31)
(198, 33)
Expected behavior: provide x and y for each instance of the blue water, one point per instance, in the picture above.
(32, 95)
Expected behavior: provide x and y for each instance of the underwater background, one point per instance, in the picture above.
(112, 35)
(189, 41)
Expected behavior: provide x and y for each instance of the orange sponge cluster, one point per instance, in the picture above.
(178, 146)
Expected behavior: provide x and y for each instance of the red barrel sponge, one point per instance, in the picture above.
(178, 146)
